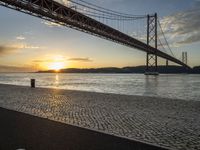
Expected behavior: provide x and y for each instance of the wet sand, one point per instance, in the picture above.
(159, 121)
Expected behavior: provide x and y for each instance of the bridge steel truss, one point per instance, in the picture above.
(58, 13)
(152, 60)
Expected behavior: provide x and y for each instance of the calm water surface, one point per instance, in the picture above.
(181, 86)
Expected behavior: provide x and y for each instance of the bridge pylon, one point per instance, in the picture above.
(151, 60)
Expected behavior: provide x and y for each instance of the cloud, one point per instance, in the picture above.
(195, 37)
(183, 27)
(20, 37)
(4, 50)
(80, 59)
(43, 61)
(64, 2)
(15, 48)
(31, 47)
(15, 69)
(51, 24)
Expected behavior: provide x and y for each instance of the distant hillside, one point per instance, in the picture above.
(196, 70)
(137, 69)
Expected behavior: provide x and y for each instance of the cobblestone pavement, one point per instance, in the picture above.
(166, 122)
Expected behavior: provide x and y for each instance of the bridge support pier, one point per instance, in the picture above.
(152, 60)
(151, 64)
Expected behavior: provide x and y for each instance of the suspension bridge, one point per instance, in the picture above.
(111, 25)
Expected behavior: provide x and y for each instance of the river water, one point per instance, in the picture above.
(181, 86)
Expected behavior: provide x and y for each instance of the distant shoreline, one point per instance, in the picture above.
(125, 70)
(128, 70)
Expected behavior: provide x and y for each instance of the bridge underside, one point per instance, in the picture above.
(58, 13)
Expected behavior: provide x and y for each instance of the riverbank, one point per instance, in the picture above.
(136, 69)
(159, 121)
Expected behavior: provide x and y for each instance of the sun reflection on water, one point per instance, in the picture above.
(56, 80)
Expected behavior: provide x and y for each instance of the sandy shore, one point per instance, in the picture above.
(166, 122)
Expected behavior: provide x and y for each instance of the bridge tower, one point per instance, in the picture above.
(151, 59)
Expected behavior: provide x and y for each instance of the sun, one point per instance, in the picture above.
(56, 66)
(53, 62)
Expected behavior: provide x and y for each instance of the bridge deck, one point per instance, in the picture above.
(56, 12)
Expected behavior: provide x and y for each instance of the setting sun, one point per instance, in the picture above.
(56, 66)
(52, 62)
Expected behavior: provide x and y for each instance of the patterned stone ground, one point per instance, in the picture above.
(166, 122)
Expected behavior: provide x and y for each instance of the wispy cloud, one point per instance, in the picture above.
(183, 27)
(80, 59)
(20, 37)
(43, 60)
(51, 24)
(64, 2)
(15, 48)
(26, 46)
(77, 59)
(15, 69)
(4, 49)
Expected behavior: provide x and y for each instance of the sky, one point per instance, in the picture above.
(28, 43)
